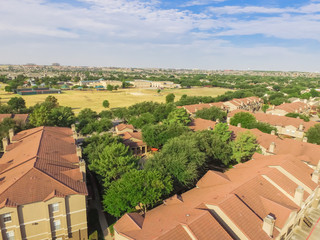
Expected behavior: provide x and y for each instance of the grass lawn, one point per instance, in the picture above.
(120, 98)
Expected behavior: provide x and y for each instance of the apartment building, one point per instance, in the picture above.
(268, 197)
(250, 104)
(288, 126)
(42, 186)
(285, 108)
(132, 138)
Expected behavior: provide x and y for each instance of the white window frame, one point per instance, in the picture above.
(6, 215)
(55, 207)
(10, 235)
(57, 225)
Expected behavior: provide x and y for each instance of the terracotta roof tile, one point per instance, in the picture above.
(38, 161)
(123, 126)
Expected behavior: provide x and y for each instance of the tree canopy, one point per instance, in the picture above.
(114, 160)
(244, 147)
(313, 134)
(136, 188)
(212, 113)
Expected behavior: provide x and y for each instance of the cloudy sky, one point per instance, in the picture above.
(203, 34)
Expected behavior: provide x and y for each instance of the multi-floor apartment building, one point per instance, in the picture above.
(288, 126)
(42, 186)
(268, 197)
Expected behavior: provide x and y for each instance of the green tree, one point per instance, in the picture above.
(223, 132)
(313, 134)
(17, 104)
(106, 114)
(178, 116)
(265, 107)
(105, 104)
(137, 187)
(61, 117)
(212, 113)
(170, 98)
(8, 88)
(297, 115)
(97, 126)
(265, 127)
(40, 116)
(247, 120)
(157, 135)
(115, 160)
(93, 146)
(244, 146)
(141, 121)
(109, 87)
(181, 159)
(53, 100)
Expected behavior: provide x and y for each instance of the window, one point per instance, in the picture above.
(56, 225)
(6, 217)
(55, 207)
(10, 235)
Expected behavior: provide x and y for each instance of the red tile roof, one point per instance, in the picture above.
(278, 120)
(123, 126)
(17, 117)
(242, 194)
(291, 107)
(199, 124)
(39, 161)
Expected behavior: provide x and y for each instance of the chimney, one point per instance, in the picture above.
(75, 135)
(300, 109)
(228, 120)
(273, 132)
(73, 127)
(272, 147)
(217, 120)
(315, 176)
(11, 134)
(239, 125)
(82, 167)
(5, 143)
(298, 195)
(301, 127)
(305, 139)
(318, 166)
(79, 152)
(268, 224)
(273, 107)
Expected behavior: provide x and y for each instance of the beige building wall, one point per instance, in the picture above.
(290, 131)
(57, 218)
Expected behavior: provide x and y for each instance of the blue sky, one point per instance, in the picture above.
(200, 34)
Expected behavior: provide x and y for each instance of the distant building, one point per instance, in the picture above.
(35, 91)
(293, 127)
(21, 119)
(132, 138)
(154, 84)
(285, 108)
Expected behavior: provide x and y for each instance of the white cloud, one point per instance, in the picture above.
(200, 2)
(140, 33)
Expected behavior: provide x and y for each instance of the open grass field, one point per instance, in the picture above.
(120, 98)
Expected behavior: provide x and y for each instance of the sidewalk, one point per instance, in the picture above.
(96, 203)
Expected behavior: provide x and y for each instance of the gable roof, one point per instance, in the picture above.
(276, 120)
(243, 188)
(123, 126)
(38, 160)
